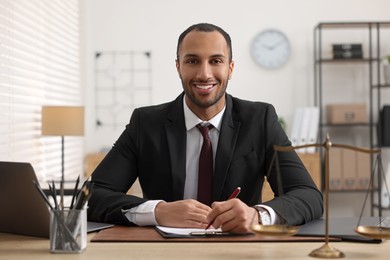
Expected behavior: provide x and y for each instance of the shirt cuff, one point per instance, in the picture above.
(143, 214)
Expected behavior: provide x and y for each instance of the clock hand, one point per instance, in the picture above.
(268, 47)
(276, 44)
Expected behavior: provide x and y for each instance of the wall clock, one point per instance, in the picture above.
(270, 49)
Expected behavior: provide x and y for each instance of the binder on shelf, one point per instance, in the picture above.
(305, 127)
(385, 200)
(349, 169)
(335, 169)
(363, 170)
(296, 129)
(313, 128)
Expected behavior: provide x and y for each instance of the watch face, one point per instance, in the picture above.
(270, 49)
(265, 218)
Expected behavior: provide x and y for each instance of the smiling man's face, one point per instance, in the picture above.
(204, 68)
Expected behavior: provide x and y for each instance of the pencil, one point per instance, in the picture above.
(75, 192)
(232, 196)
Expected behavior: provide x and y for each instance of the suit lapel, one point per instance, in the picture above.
(176, 138)
(226, 144)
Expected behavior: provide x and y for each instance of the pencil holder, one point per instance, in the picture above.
(68, 230)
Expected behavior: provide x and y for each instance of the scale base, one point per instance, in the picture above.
(327, 251)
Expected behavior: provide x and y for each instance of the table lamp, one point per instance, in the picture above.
(62, 121)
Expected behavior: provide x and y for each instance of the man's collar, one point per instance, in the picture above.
(191, 120)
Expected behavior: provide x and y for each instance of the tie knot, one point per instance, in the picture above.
(204, 129)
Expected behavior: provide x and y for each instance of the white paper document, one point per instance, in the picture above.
(187, 231)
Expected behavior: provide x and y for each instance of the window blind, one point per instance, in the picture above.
(39, 65)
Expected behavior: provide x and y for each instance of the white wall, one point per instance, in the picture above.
(156, 24)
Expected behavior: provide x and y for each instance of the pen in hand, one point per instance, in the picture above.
(232, 196)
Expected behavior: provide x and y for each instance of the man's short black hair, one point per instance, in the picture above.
(205, 27)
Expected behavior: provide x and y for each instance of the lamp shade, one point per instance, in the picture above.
(62, 120)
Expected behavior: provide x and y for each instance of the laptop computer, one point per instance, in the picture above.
(23, 210)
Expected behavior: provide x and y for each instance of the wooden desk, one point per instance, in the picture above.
(23, 247)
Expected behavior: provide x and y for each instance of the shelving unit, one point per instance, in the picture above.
(370, 35)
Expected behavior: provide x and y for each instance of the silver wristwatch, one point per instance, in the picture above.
(264, 216)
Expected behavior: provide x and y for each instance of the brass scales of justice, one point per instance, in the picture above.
(326, 250)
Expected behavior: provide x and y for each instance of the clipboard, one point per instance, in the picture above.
(197, 233)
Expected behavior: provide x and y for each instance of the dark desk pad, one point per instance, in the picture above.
(149, 234)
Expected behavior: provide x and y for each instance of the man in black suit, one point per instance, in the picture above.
(161, 146)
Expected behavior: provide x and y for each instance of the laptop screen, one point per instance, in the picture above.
(23, 211)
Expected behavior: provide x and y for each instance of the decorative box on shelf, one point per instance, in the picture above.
(354, 113)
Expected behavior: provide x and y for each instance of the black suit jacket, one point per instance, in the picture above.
(153, 148)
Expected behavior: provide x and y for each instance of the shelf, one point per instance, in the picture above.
(380, 147)
(377, 206)
(381, 86)
(349, 25)
(342, 61)
(348, 191)
(346, 125)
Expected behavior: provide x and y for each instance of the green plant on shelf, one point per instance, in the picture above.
(282, 123)
(386, 60)
(386, 69)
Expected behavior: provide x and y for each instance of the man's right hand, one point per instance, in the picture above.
(183, 213)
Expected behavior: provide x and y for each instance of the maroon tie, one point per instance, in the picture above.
(205, 174)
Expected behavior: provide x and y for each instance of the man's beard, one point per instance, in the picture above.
(207, 104)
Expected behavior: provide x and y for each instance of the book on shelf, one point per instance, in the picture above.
(347, 47)
(384, 127)
(338, 55)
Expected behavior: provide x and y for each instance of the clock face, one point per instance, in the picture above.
(270, 49)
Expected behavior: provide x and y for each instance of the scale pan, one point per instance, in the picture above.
(275, 230)
(374, 232)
